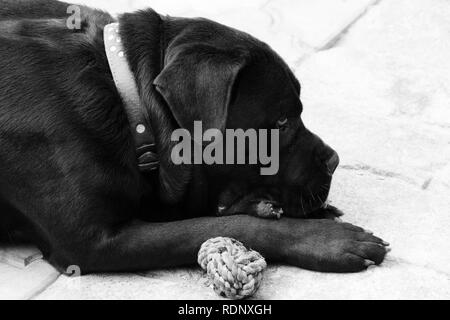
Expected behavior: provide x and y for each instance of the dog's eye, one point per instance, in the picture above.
(282, 124)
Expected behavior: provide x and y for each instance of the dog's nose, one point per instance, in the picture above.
(332, 163)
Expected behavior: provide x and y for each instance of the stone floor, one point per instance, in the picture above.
(375, 87)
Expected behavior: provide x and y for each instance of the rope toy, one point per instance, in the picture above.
(235, 272)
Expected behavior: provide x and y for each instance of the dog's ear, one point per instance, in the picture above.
(197, 84)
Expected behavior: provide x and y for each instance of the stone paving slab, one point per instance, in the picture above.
(128, 287)
(380, 97)
(316, 23)
(385, 85)
(293, 28)
(406, 40)
(412, 220)
(25, 283)
(23, 272)
(394, 280)
(19, 256)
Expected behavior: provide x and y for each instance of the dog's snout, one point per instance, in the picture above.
(328, 158)
(332, 163)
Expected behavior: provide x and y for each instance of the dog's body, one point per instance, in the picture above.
(69, 178)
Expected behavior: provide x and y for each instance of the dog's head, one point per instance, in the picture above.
(228, 80)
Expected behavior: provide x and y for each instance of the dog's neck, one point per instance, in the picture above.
(137, 114)
(145, 36)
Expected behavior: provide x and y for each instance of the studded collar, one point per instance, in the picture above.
(128, 90)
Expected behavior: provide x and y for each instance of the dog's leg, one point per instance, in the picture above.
(320, 245)
(140, 246)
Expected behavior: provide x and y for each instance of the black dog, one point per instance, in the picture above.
(69, 175)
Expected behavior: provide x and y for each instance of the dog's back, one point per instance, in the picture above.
(12, 14)
(37, 99)
(32, 9)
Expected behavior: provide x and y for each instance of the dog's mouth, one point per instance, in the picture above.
(270, 202)
(302, 202)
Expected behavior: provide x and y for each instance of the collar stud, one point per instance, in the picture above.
(140, 128)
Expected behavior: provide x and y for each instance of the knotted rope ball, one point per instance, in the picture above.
(235, 272)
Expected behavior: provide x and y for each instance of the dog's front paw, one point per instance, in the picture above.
(328, 246)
